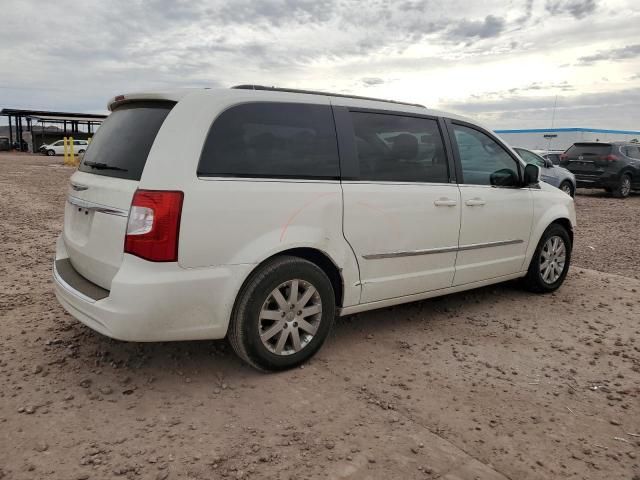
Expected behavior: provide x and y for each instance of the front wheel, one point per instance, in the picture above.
(567, 188)
(51, 153)
(624, 187)
(283, 314)
(550, 263)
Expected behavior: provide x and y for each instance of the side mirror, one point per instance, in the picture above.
(531, 175)
(504, 178)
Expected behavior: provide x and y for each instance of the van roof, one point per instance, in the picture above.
(317, 92)
(245, 92)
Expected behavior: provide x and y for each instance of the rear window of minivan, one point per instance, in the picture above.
(121, 145)
(583, 149)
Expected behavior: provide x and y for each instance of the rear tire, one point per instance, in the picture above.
(624, 187)
(550, 263)
(289, 297)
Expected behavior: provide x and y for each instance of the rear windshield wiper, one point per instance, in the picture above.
(104, 166)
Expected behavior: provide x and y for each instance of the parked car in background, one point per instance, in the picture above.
(614, 167)
(57, 148)
(552, 174)
(5, 144)
(552, 155)
(261, 214)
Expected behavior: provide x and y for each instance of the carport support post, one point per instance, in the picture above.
(10, 133)
(19, 129)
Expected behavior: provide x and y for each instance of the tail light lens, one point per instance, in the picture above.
(609, 158)
(563, 156)
(154, 225)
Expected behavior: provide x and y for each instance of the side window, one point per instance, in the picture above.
(277, 140)
(633, 152)
(400, 149)
(484, 161)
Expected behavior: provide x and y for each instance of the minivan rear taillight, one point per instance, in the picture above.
(154, 225)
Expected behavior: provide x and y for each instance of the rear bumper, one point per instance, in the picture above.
(605, 180)
(154, 301)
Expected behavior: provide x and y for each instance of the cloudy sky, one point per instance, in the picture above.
(503, 62)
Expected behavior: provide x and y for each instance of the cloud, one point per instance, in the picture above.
(414, 50)
(491, 26)
(592, 109)
(273, 12)
(630, 51)
(576, 8)
(550, 87)
(372, 81)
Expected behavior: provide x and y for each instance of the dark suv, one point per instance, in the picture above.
(613, 166)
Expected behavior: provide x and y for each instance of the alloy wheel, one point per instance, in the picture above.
(552, 259)
(625, 188)
(290, 317)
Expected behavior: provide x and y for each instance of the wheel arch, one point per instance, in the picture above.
(566, 223)
(560, 214)
(315, 256)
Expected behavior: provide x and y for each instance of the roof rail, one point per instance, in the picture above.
(315, 92)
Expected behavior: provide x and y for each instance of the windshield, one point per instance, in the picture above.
(121, 145)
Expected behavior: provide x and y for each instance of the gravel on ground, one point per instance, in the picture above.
(494, 383)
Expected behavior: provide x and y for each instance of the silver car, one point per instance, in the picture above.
(552, 174)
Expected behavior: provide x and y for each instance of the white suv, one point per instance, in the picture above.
(57, 148)
(260, 214)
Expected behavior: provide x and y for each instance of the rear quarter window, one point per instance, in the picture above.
(272, 140)
(121, 145)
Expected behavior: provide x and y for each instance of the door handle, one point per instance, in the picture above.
(445, 202)
(475, 202)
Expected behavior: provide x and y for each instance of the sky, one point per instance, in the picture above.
(509, 64)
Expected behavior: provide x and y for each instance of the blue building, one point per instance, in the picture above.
(563, 138)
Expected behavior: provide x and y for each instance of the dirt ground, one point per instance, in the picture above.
(490, 384)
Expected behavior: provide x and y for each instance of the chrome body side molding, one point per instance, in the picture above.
(431, 251)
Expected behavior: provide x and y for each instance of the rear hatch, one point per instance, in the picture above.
(95, 220)
(586, 158)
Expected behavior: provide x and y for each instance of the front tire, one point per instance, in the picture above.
(550, 263)
(283, 314)
(51, 153)
(624, 187)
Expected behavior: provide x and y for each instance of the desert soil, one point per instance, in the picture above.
(490, 384)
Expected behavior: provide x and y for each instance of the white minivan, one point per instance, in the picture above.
(260, 214)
